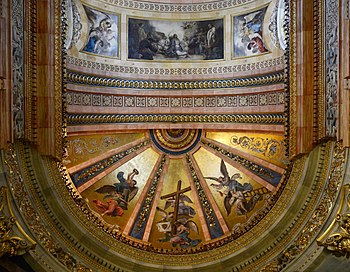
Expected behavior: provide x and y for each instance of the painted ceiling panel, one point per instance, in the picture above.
(160, 82)
(176, 189)
(113, 196)
(80, 148)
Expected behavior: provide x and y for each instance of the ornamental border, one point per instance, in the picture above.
(174, 71)
(168, 7)
(84, 79)
(90, 119)
(76, 98)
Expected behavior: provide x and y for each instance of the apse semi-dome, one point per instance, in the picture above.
(178, 135)
(176, 124)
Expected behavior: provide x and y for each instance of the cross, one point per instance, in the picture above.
(176, 195)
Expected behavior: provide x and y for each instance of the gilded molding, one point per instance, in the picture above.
(33, 219)
(11, 243)
(338, 242)
(319, 73)
(291, 77)
(307, 234)
(90, 119)
(219, 70)
(30, 72)
(143, 215)
(77, 98)
(210, 216)
(181, 8)
(84, 79)
(60, 77)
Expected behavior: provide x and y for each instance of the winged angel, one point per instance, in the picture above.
(102, 35)
(118, 195)
(234, 191)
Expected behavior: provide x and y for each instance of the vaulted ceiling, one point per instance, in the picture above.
(178, 135)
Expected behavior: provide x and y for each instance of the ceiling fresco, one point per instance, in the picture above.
(174, 135)
(176, 124)
(177, 189)
(110, 39)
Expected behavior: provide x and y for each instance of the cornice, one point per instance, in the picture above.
(177, 7)
(75, 64)
(79, 78)
(92, 119)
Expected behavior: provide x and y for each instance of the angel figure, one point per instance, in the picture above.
(127, 187)
(183, 209)
(118, 195)
(102, 35)
(181, 237)
(166, 217)
(111, 207)
(178, 232)
(230, 185)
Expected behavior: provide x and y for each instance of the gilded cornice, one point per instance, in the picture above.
(30, 72)
(291, 77)
(84, 79)
(75, 63)
(90, 119)
(171, 7)
(319, 86)
(60, 76)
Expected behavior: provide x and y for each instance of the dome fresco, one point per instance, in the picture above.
(174, 135)
(177, 201)
(206, 155)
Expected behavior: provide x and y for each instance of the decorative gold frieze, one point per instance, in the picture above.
(276, 119)
(268, 147)
(31, 72)
(78, 78)
(291, 77)
(13, 240)
(339, 242)
(30, 214)
(318, 217)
